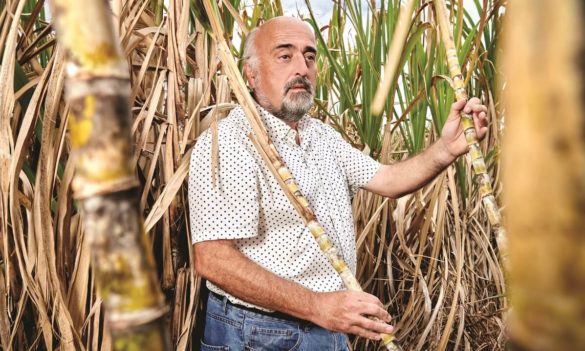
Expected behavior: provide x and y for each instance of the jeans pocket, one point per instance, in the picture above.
(205, 347)
(268, 335)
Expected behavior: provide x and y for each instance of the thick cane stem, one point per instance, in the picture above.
(97, 91)
(266, 148)
(477, 160)
(393, 59)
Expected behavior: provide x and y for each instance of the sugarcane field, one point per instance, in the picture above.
(271, 175)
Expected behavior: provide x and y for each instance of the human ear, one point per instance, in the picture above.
(250, 75)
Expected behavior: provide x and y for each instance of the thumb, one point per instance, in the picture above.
(456, 108)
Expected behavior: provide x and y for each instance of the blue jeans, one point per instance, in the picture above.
(230, 328)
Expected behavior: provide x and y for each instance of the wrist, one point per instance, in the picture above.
(443, 156)
(312, 311)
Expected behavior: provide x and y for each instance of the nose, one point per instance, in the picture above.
(300, 65)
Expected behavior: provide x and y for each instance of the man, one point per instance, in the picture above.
(270, 286)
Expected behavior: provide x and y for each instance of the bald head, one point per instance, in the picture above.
(264, 33)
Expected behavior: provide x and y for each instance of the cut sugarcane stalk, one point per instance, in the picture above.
(477, 160)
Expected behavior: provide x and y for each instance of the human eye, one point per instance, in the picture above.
(310, 56)
(284, 56)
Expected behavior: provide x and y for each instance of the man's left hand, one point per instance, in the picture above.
(452, 135)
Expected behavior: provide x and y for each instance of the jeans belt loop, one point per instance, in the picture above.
(225, 304)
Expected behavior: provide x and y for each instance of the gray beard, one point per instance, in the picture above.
(293, 107)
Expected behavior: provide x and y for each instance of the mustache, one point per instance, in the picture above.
(299, 81)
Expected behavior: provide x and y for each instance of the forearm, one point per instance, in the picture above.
(411, 174)
(220, 262)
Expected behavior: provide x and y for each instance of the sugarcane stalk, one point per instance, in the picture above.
(393, 58)
(276, 165)
(98, 91)
(477, 160)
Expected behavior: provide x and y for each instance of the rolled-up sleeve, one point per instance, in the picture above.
(229, 208)
(359, 168)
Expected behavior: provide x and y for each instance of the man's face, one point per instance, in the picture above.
(285, 76)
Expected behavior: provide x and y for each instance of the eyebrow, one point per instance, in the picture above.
(309, 48)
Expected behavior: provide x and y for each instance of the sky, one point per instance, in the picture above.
(322, 10)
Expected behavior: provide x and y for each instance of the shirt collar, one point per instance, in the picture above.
(278, 129)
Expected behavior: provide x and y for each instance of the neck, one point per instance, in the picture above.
(268, 107)
(294, 125)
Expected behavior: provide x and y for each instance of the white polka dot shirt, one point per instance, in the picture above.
(248, 206)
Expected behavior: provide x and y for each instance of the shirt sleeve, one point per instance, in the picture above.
(228, 209)
(359, 168)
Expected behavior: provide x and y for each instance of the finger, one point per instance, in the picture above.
(483, 119)
(456, 107)
(374, 326)
(480, 128)
(355, 330)
(376, 311)
(474, 101)
(365, 297)
(474, 106)
(482, 133)
(478, 108)
(480, 120)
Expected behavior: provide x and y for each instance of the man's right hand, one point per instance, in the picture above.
(348, 311)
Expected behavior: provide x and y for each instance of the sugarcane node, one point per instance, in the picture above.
(393, 347)
(293, 188)
(485, 190)
(325, 245)
(320, 235)
(318, 232)
(284, 173)
(461, 94)
(304, 203)
(338, 263)
(459, 88)
(470, 131)
(493, 213)
(467, 121)
(83, 188)
(485, 178)
(470, 137)
(315, 227)
(386, 338)
(475, 154)
(475, 151)
(331, 251)
(478, 166)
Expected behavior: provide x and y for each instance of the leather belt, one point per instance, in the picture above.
(275, 314)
